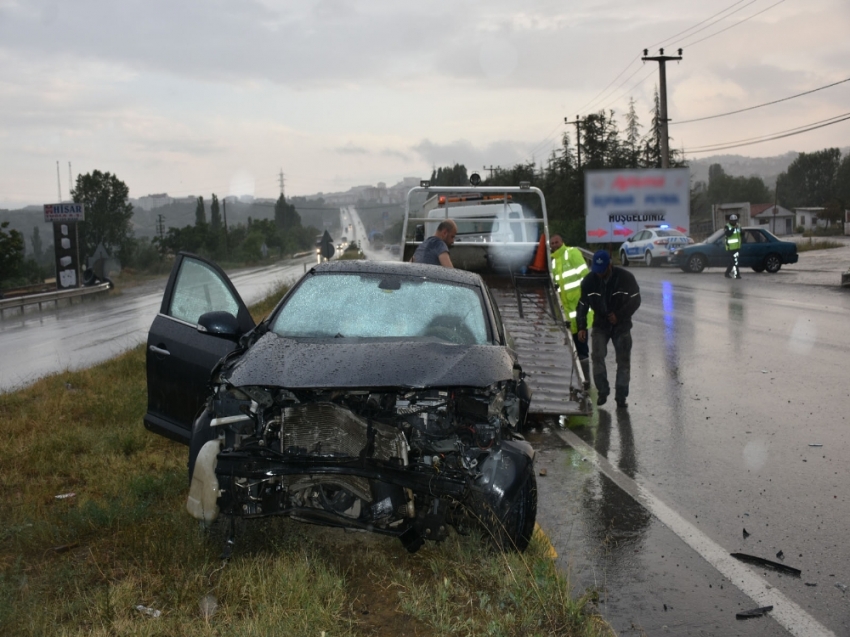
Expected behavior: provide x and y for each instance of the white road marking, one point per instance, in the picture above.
(786, 612)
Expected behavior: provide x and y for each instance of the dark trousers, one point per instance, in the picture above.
(623, 354)
(581, 348)
(732, 267)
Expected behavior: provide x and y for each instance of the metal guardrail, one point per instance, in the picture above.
(18, 302)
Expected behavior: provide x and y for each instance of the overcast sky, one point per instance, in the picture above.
(192, 97)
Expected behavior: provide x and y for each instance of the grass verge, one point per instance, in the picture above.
(822, 244)
(118, 555)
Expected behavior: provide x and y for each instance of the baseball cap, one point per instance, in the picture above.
(733, 217)
(600, 261)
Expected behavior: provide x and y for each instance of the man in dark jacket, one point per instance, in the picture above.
(613, 295)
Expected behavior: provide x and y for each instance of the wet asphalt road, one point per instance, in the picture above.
(76, 336)
(732, 382)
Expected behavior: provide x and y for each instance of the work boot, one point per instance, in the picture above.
(737, 276)
(622, 404)
(603, 398)
(727, 275)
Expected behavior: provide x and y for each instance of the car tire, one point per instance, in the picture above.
(772, 263)
(648, 260)
(624, 260)
(696, 264)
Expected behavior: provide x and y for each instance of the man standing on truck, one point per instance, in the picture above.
(732, 234)
(435, 250)
(613, 295)
(568, 269)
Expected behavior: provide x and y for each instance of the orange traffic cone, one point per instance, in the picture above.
(539, 263)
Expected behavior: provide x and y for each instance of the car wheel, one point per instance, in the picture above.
(772, 263)
(624, 259)
(696, 264)
(758, 268)
(648, 260)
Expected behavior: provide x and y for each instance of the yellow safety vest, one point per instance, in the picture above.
(733, 242)
(568, 269)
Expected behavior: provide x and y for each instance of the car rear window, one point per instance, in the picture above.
(669, 233)
(356, 306)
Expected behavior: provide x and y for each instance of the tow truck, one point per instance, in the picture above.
(499, 236)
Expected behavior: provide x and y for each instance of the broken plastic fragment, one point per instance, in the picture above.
(816, 444)
(150, 612)
(841, 587)
(760, 561)
(746, 535)
(64, 496)
(755, 612)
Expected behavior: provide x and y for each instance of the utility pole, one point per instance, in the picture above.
(224, 210)
(58, 182)
(662, 60)
(578, 123)
(70, 184)
(491, 169)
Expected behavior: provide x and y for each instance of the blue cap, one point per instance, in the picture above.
(600, 261)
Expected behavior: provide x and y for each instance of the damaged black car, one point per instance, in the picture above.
(381, 396)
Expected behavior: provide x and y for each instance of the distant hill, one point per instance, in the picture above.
(768, 168)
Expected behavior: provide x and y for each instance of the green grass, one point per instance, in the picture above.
(806, 246)
(81, 565)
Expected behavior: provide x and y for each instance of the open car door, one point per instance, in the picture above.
(181, 353)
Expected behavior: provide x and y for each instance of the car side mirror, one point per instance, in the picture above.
(222, 324)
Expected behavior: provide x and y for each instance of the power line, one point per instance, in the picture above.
(770, 137)
(716, 21)
(734, 25)
(598, 95)
(750, 108)
(711, 17)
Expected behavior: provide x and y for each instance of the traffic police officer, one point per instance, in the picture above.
(733, 247)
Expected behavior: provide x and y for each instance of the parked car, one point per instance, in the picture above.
(377, 395)
(652, 246)
(760, 251)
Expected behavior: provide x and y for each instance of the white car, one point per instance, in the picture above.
(652, 246)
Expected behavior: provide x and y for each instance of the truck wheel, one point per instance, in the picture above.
(772, 263)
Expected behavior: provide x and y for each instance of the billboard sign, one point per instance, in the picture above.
(619, 203)
(64, 212)
(67, 255)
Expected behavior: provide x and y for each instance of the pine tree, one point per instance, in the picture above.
(215, 215)
(200, 213)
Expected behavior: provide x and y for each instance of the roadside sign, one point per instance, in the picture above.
(619, 203)
(64, 212)
(67, 255)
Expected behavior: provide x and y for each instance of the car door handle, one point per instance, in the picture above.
(159, 350)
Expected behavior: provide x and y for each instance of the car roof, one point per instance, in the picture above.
(401, 268)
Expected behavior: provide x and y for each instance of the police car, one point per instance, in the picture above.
(652, 245)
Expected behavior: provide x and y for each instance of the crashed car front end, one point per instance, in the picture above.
(406, 463)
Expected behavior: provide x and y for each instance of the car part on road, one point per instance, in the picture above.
(760, 561)
(755, 612)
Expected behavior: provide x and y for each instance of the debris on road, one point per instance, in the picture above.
(755, 612)
(543, 472)
(64, 496)
(816, 444)
(760, 561)
(147, 610)
(746, 535)
(841, 587)
(780, 555)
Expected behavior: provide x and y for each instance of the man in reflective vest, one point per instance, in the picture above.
(568, 269)
(733, 247)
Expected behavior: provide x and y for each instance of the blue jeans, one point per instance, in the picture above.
(623, 353)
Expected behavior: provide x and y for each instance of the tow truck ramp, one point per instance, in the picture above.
(499, 231)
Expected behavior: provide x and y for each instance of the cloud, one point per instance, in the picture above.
(500, 153)
(351, 149)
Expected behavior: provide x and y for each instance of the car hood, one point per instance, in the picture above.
(274, 361)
